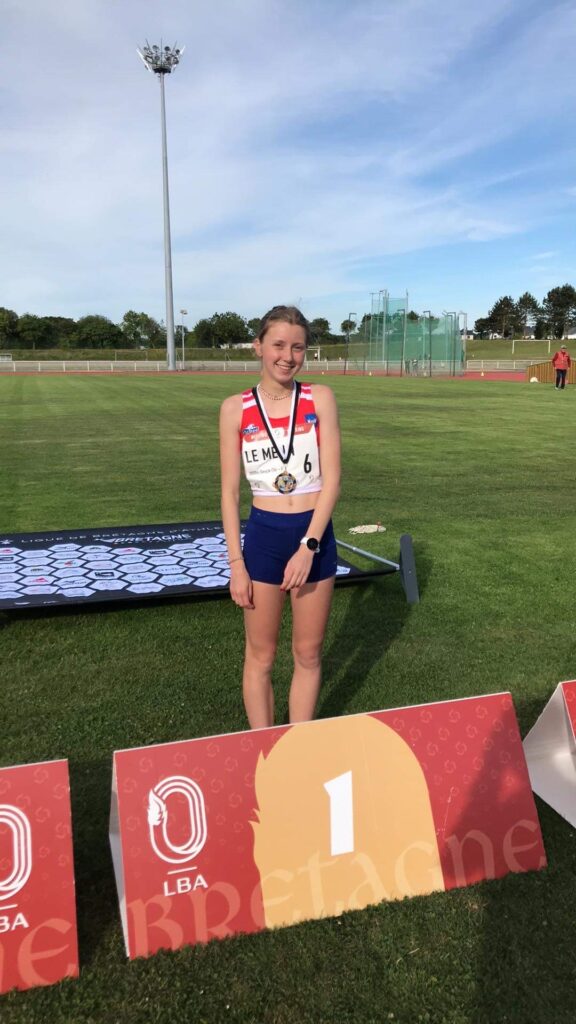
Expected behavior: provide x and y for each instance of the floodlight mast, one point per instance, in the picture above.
(348, 322)
(160, 60)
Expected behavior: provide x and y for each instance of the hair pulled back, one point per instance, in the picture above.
(286, 315)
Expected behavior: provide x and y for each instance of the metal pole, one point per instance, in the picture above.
(464, 337)
(385, 329)
(347, 348)
(170, 346)
(453, 359)
(429, 312)
(404, 334)
(452, 328)
(183, 313)
(350, 315)
(367, 554)
(160, 60)
(372, 294)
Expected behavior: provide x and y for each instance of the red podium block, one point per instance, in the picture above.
(550, 749)
(38, 940)
(258, 829)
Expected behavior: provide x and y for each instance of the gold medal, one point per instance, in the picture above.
(285, 483)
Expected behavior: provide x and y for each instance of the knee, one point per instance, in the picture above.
(261, 654)
(307, 655)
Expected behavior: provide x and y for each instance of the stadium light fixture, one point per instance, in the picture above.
(161, 61)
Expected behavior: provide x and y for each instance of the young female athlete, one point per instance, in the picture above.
(286, 436)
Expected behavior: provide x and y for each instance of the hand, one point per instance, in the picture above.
(241, 585)
(298, 568)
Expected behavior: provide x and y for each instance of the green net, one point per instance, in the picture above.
(391, 341)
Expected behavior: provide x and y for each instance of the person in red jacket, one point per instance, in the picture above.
(561, 362)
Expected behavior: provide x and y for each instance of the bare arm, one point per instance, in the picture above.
(299, 566)
(230, 416)
(329, 459)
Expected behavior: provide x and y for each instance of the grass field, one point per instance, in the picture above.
(524, 348)
(482, 475)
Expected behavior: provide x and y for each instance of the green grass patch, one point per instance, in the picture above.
(524, 348)
(482, 476)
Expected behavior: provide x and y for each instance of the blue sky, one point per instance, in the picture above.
(319, 150)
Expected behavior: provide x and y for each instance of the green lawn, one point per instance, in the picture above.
(500, 348)
(482, 475)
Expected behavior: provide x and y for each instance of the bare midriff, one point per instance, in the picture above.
(287, 503)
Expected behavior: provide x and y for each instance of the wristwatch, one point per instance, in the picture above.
(311, 543)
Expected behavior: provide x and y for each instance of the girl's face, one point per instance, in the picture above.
(282, 351)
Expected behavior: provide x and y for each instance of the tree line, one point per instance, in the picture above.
(136, 331)
(554, 317)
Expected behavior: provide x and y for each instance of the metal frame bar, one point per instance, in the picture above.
(367, 554)
(406, 564)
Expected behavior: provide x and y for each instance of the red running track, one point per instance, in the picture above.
(494, 375)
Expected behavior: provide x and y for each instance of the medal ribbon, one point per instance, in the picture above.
(292, 422)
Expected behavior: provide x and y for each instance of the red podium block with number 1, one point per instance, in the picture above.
(239, 832)
(38, 942)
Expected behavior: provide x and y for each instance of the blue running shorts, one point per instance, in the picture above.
(270, 540)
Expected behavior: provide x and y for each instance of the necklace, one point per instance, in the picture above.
(275, 398)
(284, 482)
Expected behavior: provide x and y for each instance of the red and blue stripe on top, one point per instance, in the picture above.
(281, 455)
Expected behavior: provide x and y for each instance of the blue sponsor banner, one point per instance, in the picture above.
(119, 563)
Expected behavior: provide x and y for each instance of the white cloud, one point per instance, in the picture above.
(307, 141)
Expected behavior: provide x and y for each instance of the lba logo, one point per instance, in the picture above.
(18, 859)
(191, 803)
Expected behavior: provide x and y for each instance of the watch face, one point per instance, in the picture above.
(312, 544)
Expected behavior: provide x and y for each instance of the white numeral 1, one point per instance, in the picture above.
(341, 814)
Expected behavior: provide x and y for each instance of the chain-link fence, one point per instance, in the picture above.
(402, 344)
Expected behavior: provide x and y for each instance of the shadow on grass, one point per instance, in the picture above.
(523, 973)
(58, 611)
(377, 613)
(97, 905)
(515, 978)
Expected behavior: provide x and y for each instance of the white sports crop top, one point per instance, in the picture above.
(281, 456)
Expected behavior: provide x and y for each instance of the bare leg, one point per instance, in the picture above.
(310, 610)
(262, 624)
